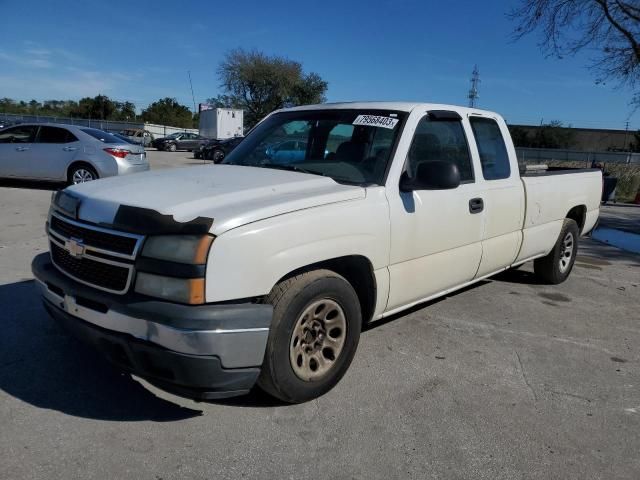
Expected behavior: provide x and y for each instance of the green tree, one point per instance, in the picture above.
(124, 111)
(608, 29)
(167, 111)
(99, 107)
(259, 83)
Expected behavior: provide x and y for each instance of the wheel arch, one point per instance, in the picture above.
(579, 215)
(357, 270)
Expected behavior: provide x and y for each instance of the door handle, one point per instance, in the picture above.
(22, 149)
(70, 149)
(476, 205)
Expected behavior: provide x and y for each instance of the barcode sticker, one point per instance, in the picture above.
(376, 121)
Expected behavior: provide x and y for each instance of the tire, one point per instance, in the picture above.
(171, 147)
(557, 265)
(300, 338)
(81, 174)
(218, 156)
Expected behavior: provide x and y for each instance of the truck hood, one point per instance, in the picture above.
(230, 195)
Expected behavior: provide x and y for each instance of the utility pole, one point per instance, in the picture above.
(626, 135)
(473, 92)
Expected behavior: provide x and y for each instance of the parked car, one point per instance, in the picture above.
(138, 135)
(180, 141)
(216, 150)
(255, 271)
(287, 152)
(124, 138)
(56, 152)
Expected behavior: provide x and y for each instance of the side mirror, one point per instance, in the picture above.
(437, 175)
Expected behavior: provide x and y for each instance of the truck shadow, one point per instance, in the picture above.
(43, 366)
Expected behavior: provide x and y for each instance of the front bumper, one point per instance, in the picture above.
(208, 351)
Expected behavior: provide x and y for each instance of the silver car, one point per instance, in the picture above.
(67, 153)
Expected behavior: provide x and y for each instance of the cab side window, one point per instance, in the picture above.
(493, 151)
(440, 140)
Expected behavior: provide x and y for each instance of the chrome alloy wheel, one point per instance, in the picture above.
(81, 175)
(317, 339)
(566, 252)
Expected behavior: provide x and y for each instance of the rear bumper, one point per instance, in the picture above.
(126, 168)
(209, 351)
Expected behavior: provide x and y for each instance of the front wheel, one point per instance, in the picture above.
(557, 265)
(218, 156)
(172, 147)
(313, 337)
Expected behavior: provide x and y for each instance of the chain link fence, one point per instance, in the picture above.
(107, 125)
(546, 155)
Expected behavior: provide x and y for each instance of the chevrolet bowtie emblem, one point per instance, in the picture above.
(74, 246)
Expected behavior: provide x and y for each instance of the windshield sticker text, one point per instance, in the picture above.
(376, 121)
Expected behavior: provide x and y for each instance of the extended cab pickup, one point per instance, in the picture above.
(205, 280)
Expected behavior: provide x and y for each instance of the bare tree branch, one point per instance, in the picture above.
(608, 29)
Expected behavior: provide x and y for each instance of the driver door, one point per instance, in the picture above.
(436, 240)
(15, 150)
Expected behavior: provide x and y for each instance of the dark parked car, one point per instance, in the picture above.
(180, 141)
(216, 150)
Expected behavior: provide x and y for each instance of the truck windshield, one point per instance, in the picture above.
(351, 146)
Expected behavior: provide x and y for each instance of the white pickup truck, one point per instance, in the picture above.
(207, 280)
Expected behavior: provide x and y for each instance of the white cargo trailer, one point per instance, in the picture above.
(221, 123)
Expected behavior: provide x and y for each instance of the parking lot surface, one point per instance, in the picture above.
(507, 379)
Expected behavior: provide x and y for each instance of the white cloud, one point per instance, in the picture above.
(44, 73)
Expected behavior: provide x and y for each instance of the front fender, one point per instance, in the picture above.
(248, 261)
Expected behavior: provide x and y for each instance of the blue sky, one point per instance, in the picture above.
(367, 50)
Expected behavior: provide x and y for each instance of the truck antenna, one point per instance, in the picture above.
(473, 92)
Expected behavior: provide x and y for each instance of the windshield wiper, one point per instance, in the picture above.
(292, 168)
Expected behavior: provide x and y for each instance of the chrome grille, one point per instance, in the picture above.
(95, 256)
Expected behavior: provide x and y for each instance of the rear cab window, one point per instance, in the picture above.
(494, 157)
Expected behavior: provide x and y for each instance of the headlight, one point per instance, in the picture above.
(192, 249)
(183, 290)
(185, 249)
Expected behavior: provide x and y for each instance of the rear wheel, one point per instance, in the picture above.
(557, 265)
(81, 174)
(313, 336)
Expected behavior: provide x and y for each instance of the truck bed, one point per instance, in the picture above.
(552, 195)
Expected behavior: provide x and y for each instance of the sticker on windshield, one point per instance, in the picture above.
(376, 121)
